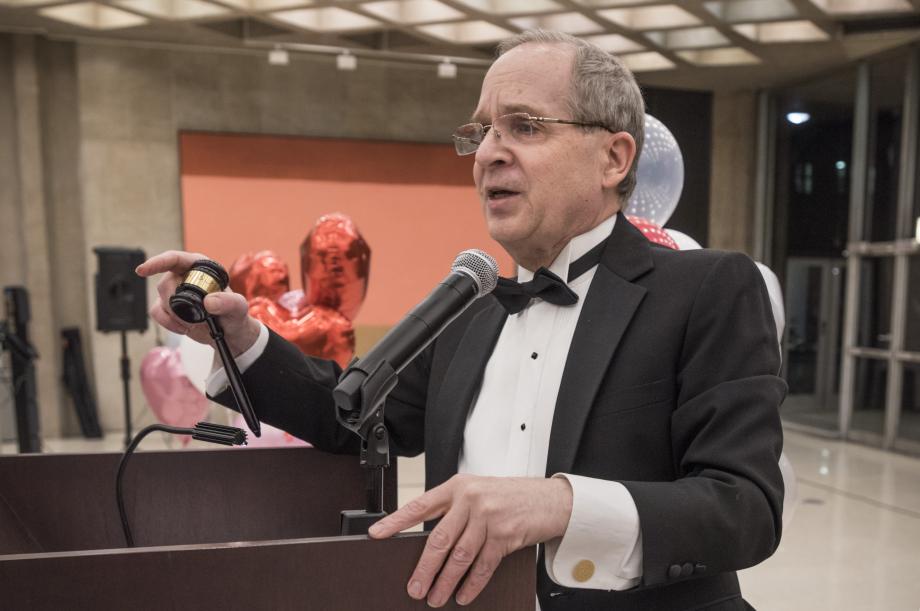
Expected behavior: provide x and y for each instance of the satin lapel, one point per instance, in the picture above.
(447, 415)
(609, 307)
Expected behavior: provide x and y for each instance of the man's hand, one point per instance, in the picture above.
(240, 331)
(485, 519)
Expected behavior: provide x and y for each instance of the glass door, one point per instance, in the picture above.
(814, 300)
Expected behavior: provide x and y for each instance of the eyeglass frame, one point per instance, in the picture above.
(486, 128)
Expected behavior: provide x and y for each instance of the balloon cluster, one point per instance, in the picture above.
(335, 266)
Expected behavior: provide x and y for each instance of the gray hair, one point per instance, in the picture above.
(603, 91)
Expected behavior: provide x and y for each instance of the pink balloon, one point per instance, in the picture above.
(171, 395)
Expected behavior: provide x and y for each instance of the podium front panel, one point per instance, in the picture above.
(61, 502)
(344, 573)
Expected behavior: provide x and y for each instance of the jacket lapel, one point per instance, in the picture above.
(449, 410)
(609, 307)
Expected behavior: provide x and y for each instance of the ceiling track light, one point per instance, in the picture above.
(447, 69)
(346, 61)
(279, 56)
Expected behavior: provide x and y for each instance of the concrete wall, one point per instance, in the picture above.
(731, 205)
(27, 261)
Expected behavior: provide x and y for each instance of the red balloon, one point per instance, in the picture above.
(171, 395)
(653, 232)
(335, 265)
(316, 330)
(261, 274)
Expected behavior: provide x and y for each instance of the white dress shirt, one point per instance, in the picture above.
(508, 429)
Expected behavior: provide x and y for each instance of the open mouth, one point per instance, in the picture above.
(500, 193)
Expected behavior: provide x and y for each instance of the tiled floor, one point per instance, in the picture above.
(852, 544)
(854, 536)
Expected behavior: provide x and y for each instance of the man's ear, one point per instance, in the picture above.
(620, 153)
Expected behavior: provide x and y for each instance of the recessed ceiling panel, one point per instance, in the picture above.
(856, 7)
(783, 31)
(266, 5)
(728, 56)
(26, 2)
(662, 17)
(615, 43)
(571, 23)
(609, 3)
(174, 9)
(512, 7)
(647, 62)
(466, 32)
(413, 11)
(736, 11)
(329, 19)
(93, 15)
(690, 38)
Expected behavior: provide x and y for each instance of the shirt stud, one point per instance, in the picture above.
(534, 355)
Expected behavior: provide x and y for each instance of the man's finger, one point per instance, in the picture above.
(480, 573)
(175, 261)
(162, 318)
(464, 552)
(226, 302)
(430, 505)
(439, 544)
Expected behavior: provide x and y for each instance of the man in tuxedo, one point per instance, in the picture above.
(619, 407)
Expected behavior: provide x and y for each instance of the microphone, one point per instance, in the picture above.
(364, 385)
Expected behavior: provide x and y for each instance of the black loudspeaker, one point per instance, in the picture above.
(121, 295)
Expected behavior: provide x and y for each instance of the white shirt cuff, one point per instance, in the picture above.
(602, 545)
(217, 381)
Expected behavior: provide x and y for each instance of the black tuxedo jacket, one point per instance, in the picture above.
(670, 387)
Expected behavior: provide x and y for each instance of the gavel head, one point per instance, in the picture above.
(204, 278)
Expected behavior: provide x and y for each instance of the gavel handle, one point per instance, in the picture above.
(233, 375)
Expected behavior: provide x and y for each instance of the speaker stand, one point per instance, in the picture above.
(125, 379)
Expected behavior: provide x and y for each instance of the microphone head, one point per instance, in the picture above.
(480, 266)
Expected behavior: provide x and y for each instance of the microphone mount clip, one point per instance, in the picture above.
(359, 401)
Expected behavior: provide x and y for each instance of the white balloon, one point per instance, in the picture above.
(197, 361)
(659, 175)
(684, 242)
(775, 292)
(791, 497)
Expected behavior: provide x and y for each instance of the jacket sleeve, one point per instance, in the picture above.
(293, 392)
(723, 512)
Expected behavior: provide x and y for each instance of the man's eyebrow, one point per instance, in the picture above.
(505, 110)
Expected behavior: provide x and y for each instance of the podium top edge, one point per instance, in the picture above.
(171, 549)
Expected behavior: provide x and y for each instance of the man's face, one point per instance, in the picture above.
(536, 196)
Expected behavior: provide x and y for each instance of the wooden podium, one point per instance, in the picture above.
(215, 529)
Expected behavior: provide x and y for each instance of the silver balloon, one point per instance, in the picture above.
(659, 176)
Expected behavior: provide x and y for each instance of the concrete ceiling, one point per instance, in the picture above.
(695, 44)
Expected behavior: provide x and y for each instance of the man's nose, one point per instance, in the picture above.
(492, 149)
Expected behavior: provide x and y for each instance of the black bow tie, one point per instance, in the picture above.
(515, 296)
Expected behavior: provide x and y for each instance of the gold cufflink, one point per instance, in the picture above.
(583, 571)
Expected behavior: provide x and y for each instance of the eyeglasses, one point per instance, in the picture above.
(518, 127)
